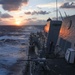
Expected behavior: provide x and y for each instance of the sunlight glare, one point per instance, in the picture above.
(18, 23)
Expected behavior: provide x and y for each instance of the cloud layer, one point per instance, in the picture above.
(68, 5)
(12, 5)
(37, 13)
(49, 5)
(36, 22)
(69, 0)
(6, 15)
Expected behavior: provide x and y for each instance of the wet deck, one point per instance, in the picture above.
(58, 66)
(61, 67)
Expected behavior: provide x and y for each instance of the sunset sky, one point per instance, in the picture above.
(32, 12)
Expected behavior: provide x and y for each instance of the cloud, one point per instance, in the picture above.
(34, 21)
(37, 13)
(40, 12)
(68, 5)
(12, 5)
(6, 22)
(48, 5)
(31, 19)
(28, 13)
(37, 22)
(6, 15)
(69, 0)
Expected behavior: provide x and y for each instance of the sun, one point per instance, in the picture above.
(18, 23)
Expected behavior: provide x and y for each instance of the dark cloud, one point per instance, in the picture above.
(40, 12)
(28, 13)
(68, 5)
(12, 5)
(34, 21)
(30, 19)
(37, 22)
(34, 18)
(5, 15)
(37, 13)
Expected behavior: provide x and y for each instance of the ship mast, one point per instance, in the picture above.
(56, 9)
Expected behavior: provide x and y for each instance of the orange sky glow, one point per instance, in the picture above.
(32, 12)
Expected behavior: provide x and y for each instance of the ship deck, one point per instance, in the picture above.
(61, 67)
(58, 66)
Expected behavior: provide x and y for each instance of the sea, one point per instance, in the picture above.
(14, 45)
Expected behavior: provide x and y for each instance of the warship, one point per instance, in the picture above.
(45, 56)
(49, 52)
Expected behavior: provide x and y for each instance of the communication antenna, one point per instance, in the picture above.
(60, 15)
(65, 14)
